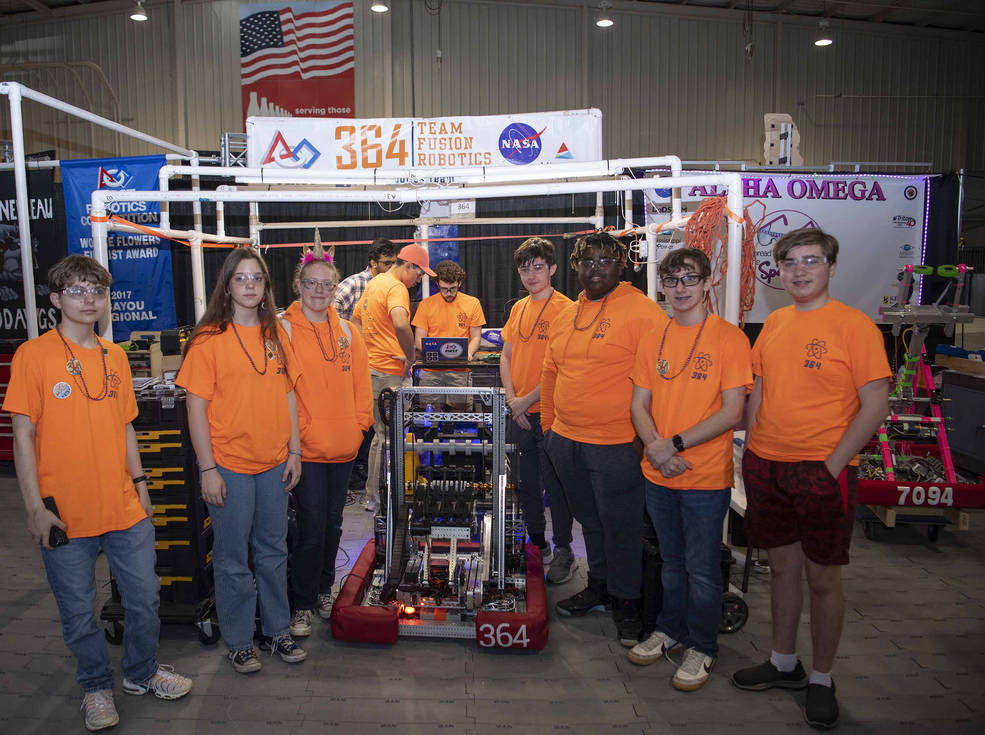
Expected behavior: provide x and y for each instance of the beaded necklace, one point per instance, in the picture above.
(663, 365)
(331, 339)
(246, 352)
(519, 326)
(74, 368)
(595, 318)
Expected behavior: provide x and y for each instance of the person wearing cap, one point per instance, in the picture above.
(383, 317)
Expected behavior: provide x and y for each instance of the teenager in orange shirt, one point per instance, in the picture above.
(334, 411)
(453, 314)
(821, 391)
(585, 396)
(243, 421)
(520, 368)
(690, 384)
(72, 401)
(383, 318)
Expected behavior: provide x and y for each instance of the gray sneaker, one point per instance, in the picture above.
(99, 709)
(301, 623)
(563, 567)
(324, 606)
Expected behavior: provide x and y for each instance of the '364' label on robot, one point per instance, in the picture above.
(502, 636)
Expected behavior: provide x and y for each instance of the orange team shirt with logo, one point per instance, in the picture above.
(383, 293)
(248, 416)
(335, 401)
(586, 387)
(440, 319)
(527, 330)
(80, 444)
(812, 364)
(721, 361)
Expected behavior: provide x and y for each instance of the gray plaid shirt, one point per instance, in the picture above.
(348, 292)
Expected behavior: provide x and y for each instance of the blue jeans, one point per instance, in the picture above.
(253, 518)
(72, 575)
(689, 527)
(320, 498)
(534, 473)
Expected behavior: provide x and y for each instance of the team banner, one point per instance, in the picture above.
(47, 246)
(878, 221)
(143, 288)
(297, 60)
(329, 144)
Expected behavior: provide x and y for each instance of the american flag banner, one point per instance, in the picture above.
(297, 60)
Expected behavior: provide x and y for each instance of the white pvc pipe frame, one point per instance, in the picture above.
(732, 181)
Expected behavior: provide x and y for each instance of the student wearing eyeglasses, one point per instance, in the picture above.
(520, 367)
(239, 371)
(821, 390)
(690, 383)
(334, 411)
(585, 397)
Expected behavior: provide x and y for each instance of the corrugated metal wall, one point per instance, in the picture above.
(666, 80)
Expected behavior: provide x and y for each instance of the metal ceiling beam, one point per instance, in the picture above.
(884, 13)
(37, 5)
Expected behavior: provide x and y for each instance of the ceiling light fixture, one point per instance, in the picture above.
(823, 34)
(138, 13)
(380, 7)
(604, 19)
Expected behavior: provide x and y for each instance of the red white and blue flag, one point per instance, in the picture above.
(297, 60)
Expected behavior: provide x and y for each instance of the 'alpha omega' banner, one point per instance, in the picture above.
(877, 219)
(143, 288)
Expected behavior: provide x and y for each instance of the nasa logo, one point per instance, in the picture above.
(113, 178)
(910, 192)
(901, 220)
(451, 351)
(519, 143)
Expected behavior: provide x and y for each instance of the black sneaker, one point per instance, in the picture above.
(288, 650)
(629, 623)
(588, 600)
(822, 707)
(767, 676)
(245, 660)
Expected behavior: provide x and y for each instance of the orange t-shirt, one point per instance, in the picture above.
(586, 389)
(383, 293)
(527, 330)
(722, 360)
(812, 364)
(439, 318)
(248, 416)
(335, 402)
(80, 444)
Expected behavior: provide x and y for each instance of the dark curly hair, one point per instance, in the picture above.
(603, 242)
(449, 271)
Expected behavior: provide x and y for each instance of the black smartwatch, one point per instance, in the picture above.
(678, 442)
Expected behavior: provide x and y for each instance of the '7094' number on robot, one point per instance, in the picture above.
(918, 495)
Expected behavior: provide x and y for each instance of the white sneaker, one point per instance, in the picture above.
(301, 623)
(546, 555)
(652, 649)
(165, 684)
(100, 710)
(324, 606)
(693, 671)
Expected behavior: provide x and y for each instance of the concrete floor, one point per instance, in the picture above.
(911, 661)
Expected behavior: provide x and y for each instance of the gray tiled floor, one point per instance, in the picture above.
(911, 662)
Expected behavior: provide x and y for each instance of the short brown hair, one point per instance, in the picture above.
(533, 248)
(806, 236)
(74, 268)
(449, 271)
(605, 243)
(681, 259)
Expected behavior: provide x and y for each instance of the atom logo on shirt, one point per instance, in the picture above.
(702, 364)
(601, 329)
(113, 383)
(543, 328)
(461, 320)
(816, 349)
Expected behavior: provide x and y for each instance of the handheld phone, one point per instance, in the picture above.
(56, 536)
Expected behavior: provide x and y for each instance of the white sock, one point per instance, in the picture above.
(820, 678)
(785, 662)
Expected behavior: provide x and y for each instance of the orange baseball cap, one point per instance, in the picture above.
(418, 255)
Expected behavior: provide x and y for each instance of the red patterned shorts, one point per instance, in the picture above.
(789, 502)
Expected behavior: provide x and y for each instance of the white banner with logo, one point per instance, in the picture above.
(878, 221)
(344, 144)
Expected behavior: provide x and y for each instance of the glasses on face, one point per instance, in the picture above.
(688, 279)
(590, 263)
(243, 278)
(311, 284)
(384, 264)
(526, 270)
(80, 292)
(808, 261)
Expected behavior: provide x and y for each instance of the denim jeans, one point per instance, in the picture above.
(603, 484)
(534, 473)
(253, 518)
(689, 527)
(320, 500)
(71, 573)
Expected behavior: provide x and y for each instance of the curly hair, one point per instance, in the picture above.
(603, 242)
(449, 271)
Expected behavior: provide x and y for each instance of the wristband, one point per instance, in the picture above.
(296, 454)
(678, 442)
(207, 469)
(139, 479)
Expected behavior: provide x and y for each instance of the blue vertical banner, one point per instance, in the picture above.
(143, 287)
